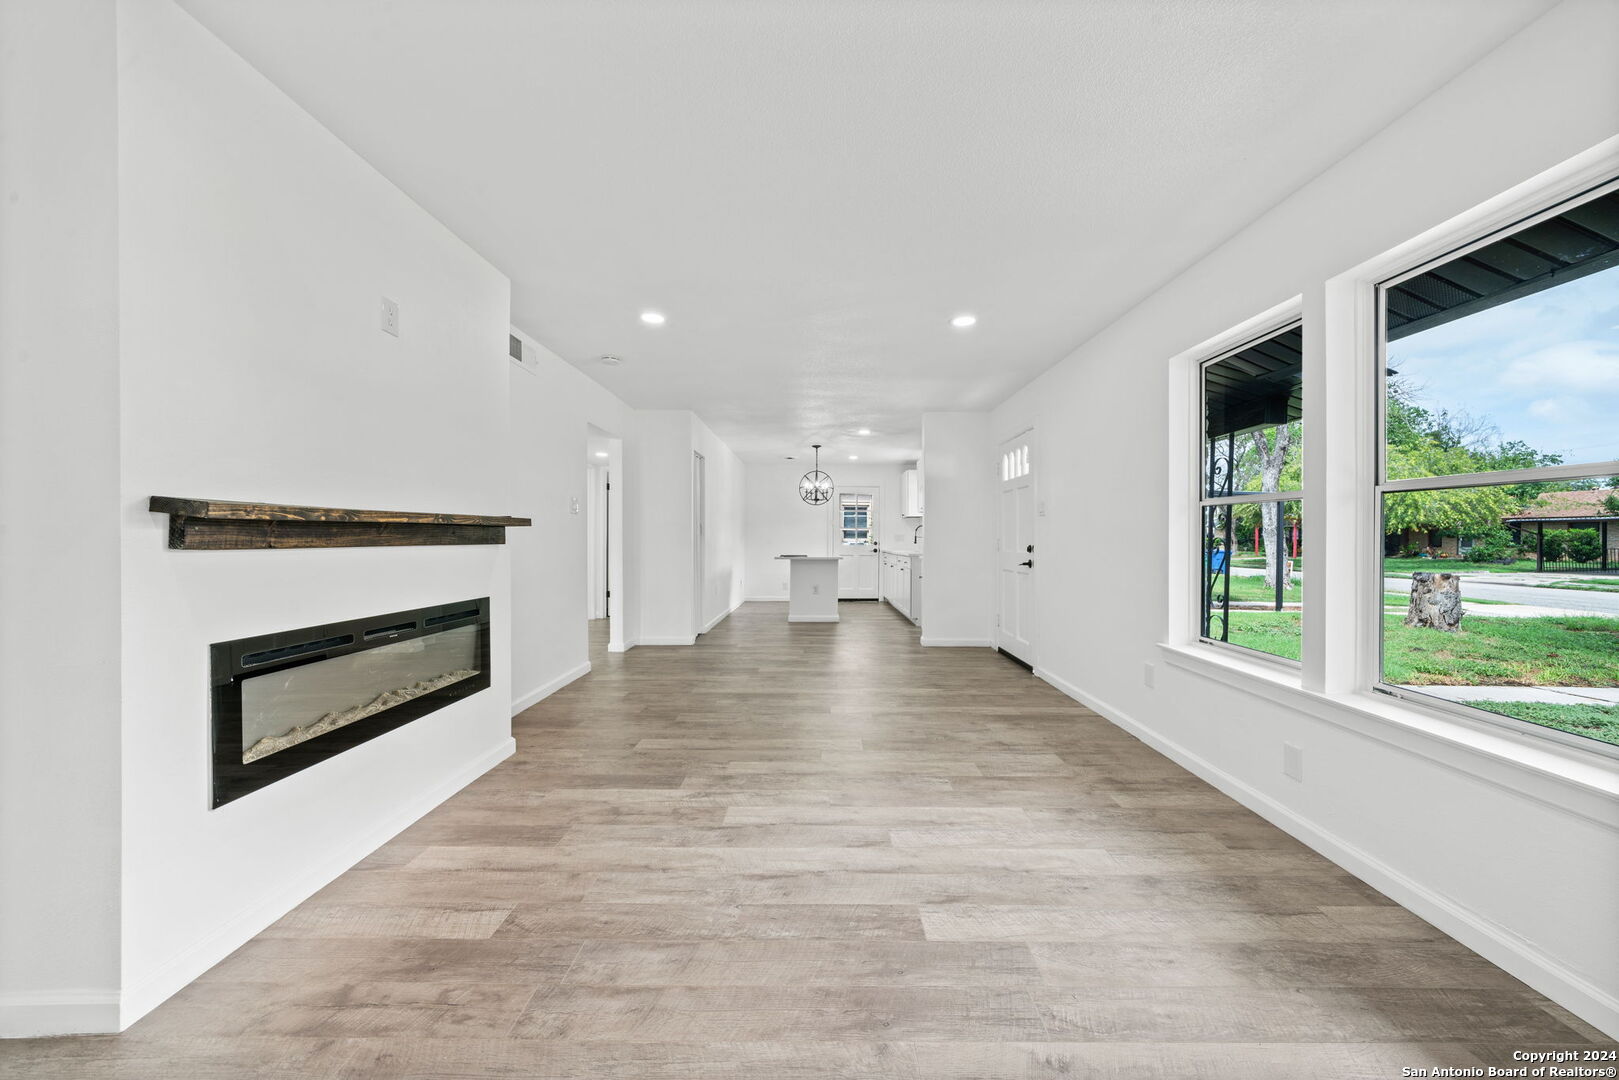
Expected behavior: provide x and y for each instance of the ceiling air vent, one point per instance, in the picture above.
(514, 348)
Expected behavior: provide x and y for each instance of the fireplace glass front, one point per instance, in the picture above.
(285, 701)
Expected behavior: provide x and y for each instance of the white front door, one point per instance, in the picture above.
(854, 536)
(1014, 624)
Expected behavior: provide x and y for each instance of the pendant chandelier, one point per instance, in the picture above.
(816, 487)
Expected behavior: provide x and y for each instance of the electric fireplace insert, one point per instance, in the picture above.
(285, 701)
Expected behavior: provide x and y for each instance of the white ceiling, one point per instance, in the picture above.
(809, 190)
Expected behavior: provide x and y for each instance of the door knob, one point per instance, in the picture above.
(1029, 564)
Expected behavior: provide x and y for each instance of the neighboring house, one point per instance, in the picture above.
(1436, 542)
(1553, 510)
(1571, 510)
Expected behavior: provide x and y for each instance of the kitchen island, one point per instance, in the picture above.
(812, 591)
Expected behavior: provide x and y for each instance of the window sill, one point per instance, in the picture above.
(1570, 779)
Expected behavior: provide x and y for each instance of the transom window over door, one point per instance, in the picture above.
(1015, 462)
(1498, 481)
(1251, 496)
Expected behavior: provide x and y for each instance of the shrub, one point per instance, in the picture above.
(1582, 545)
(1493, 545)
(1555, 545)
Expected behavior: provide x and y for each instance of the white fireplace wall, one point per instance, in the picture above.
(255, 251)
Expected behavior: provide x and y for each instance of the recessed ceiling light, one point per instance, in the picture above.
(854, 457)
(864, 431)
(963, 321)
(610, 361)
(601, 453)
(652, 318)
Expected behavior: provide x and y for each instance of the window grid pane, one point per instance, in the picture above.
(1503, 596)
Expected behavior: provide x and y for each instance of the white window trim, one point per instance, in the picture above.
(1186, 483)
(1205, 500)
(1466, 240)
(1342, 639)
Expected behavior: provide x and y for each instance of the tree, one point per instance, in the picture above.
(1610, 505)
(1462, 511)
(1272, 455)
(1424, 443)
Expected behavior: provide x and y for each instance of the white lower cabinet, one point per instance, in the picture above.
(901, 582)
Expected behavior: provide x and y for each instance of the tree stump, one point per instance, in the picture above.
(1436, 601)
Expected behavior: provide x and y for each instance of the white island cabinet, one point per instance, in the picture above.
(812, 592)
(902, 583)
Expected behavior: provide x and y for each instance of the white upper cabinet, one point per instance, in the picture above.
(910, 493)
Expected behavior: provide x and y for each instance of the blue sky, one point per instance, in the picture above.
(1543, 368)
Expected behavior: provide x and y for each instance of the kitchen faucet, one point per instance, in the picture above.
(914, 540)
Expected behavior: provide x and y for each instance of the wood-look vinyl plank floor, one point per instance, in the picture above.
(806, 852)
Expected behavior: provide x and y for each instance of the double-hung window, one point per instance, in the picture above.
(1498, 475)
(1251, 496)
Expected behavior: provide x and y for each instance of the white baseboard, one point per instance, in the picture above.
(626, 647)
(1499, 945)
(687, 640)
(957, 642)
(534, 697)
(812, 618)
(765, 600)
(721, 617)
(152, 991)
(60, 1012)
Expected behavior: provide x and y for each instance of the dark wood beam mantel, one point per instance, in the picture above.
(217, 525)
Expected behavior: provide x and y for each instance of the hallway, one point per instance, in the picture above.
(822, 851)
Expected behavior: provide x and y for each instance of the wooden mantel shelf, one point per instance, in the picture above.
(216, 525)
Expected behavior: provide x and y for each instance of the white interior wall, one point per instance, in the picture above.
(1469, 844)
(957, 604)
(660, 488)
(723, 554)
(553, 405)
(59, 571)
(778, 522)
(255, 249)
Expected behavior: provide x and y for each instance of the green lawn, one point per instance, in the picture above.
(1575, 651)
(1274, 632)
(1593, 721)
(1255, 589)
(1257, 562)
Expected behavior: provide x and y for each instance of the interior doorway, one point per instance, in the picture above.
(604, 532)
(1014, 545)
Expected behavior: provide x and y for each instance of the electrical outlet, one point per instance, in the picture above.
(573, 506)
(815, 590)
(1149, 675)
(390, 317)
(784, 586)
(1293, 762)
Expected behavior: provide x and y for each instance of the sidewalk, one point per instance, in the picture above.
(1550, 695)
